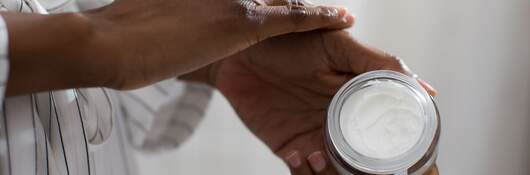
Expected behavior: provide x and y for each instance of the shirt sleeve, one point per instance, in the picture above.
(164, 115)
(4, 62)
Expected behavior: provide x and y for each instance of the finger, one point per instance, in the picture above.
(317, 162)
(288, 2)
(278, 20)
(397, 64)
(433, 92)
(433, 171)
(277, 2)
(330, 169)
(297, 165)
(400, 66)
(350, 56)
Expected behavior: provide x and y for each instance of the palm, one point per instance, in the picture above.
(276, 91)
(281, 87)
(284, 116)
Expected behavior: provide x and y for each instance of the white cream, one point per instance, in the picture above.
(383, 120)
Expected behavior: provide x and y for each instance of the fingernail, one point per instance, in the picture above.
(343, 11)
(317, 161)
(433, 92)
(293, 159)
(348, 19)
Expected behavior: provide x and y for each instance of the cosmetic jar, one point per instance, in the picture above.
(382, 123)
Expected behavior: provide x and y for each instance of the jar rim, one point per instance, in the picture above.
(370, 165)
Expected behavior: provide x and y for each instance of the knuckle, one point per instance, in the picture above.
(299, 15)
(324, 14)
(247, 15)
(328, 13)
(245, 21)
(244, 9)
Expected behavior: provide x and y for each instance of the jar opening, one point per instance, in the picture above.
(381, 122)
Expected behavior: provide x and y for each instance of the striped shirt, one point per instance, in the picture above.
(91, 131)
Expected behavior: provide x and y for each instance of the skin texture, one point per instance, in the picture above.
(282, 87)
(134, 43)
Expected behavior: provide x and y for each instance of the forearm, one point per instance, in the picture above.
(49, 52)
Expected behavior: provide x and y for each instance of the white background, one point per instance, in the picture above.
(475, 52)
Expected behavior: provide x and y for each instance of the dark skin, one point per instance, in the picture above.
(292, 79)
(134, 43)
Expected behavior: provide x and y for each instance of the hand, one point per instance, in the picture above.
(133, 43)
(162, 38)
(282, 86)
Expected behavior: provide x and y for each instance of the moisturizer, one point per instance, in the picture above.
(382, 120)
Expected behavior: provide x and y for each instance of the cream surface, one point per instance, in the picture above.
(383, 120)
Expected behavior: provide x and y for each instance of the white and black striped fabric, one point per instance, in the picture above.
(89, 131)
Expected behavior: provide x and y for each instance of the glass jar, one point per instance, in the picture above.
(417, 160)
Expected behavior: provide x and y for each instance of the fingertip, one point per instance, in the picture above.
(430, 89)
(297, 165)
(343, 11)
(342, 23)
(340, 14)
(349, 19)
(345, 22)
(293, 159)
(317, 162)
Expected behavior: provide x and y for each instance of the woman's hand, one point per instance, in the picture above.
(163, 38)
(282, 87)
(133, 43)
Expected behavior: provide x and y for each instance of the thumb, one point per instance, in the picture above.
(278, 20)
(351, 56)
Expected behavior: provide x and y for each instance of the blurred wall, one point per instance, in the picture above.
(475, 52)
